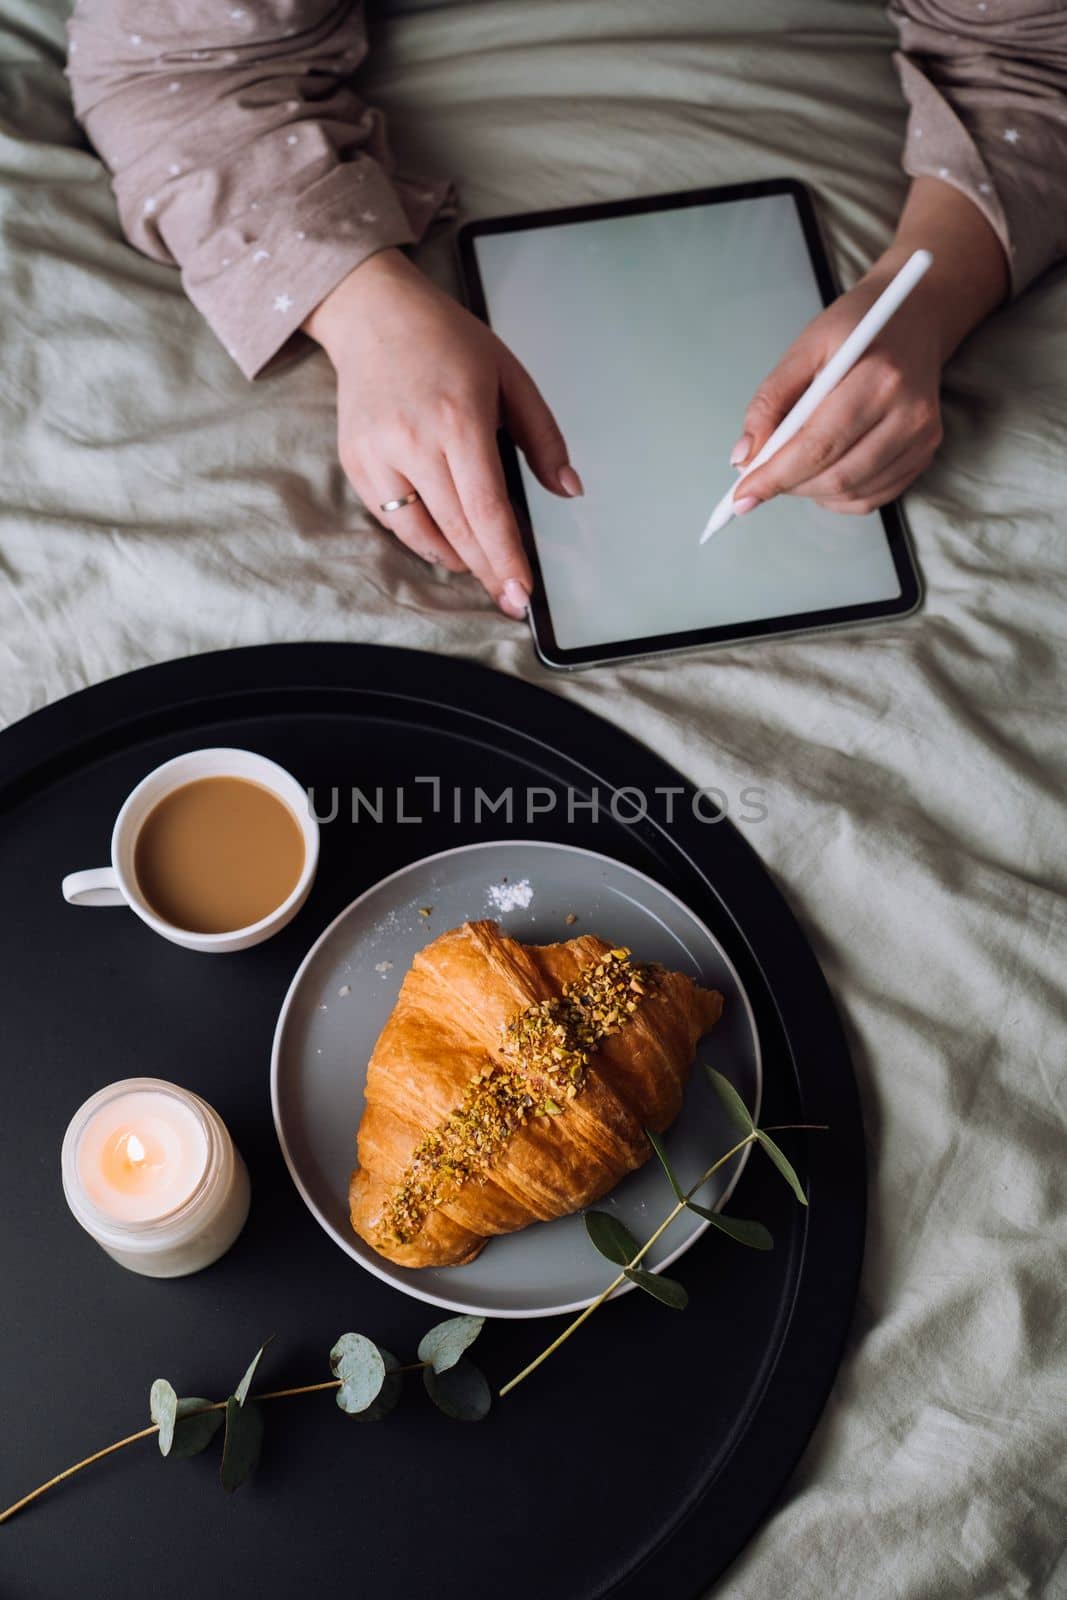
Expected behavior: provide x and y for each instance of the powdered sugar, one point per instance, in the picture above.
(507, 896)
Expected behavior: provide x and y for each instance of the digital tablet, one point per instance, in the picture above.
(648, 324)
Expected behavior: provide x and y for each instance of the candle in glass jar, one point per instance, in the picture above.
(150, 1171)
(141, 1154)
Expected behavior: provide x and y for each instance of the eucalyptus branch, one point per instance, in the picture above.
(367, 1384)
(633, 1262)
(614, 1240)
(146, 1433)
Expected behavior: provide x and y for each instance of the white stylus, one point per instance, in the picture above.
(863, 334)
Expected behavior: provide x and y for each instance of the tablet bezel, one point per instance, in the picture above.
(893, 524)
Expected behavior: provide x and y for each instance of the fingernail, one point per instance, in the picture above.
(739, 453)
(569, 481)
(747, 502)
(514, 599)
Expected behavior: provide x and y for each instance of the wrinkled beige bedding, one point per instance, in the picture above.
(155, 504)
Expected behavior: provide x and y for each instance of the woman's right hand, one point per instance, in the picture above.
(878, 430)
(422, 387)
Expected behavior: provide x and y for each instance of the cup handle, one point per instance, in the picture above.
(96, 887)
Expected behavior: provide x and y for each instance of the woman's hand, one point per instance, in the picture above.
(879, 429)
(422, 387)
(872, 435)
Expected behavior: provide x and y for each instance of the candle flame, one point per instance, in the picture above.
(135, 1150)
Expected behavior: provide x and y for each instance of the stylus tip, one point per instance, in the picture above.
(718, 519)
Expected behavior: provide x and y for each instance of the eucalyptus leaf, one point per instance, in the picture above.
(664, 1160)
(736, 1109)
(388, 1394)
(461, 1392)
(163, 1409)
(443, 1345)
(784, 1166)
(667, 1290)
(611, 1237)
(244, 1438)
(754, 1234)
(195, 1428)
(360, 1365)
(240, 1394)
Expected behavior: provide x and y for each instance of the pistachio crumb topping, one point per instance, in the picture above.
(544, 1052)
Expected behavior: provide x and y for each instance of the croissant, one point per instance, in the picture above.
(512, 1083)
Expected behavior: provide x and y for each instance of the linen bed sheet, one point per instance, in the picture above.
(155, 504)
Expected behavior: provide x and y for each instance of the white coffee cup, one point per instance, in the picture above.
(117, 885)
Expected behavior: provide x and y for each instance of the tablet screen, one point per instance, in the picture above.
(647, 335)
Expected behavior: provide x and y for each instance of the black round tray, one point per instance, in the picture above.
(640, 1459)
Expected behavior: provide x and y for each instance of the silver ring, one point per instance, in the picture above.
(398, 505)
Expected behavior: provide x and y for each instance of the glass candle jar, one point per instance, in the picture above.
(151, 1173)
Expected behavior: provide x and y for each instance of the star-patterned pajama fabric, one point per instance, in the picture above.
(240, 150)
(986, 82)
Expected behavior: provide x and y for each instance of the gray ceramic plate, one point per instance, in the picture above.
(347, 985)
